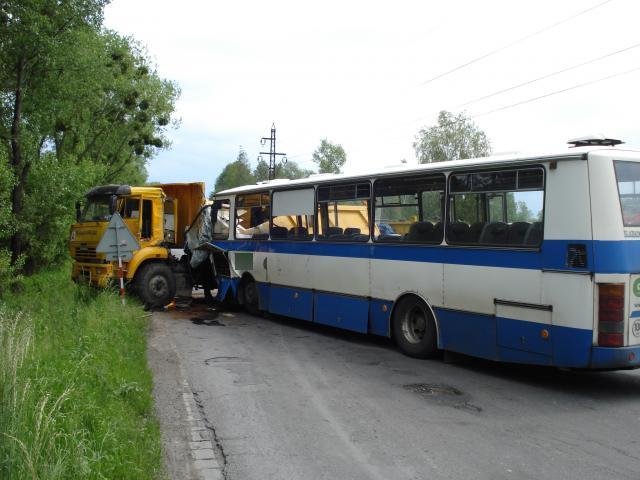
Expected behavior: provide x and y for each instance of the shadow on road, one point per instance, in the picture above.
(608, 386)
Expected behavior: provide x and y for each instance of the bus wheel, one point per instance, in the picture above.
(250, 298)
(414, 328)
(156, 285)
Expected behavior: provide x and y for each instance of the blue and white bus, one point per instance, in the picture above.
(525, 259)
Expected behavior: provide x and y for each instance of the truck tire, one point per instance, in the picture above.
(414, 328)
(155, 285)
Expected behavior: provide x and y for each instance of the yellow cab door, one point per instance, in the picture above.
(131, 214)
(137, 213)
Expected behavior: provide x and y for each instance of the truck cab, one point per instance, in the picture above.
(157, 216)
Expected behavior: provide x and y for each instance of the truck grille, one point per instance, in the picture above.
(86, 254)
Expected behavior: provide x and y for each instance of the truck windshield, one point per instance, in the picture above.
(96, 210)
(628, 178)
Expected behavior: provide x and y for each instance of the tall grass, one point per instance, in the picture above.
(75, 390)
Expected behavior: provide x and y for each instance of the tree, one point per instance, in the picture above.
(455, 137)
(261, 172)
(238, 173)
(235, 174)
(292, 171)
(79, 105)
(32, 33)
(329, 157)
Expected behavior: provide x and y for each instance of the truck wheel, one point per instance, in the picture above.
(414, 328)
(249, 296)
(156, 285)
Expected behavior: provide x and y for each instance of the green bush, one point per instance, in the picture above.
(75, 390)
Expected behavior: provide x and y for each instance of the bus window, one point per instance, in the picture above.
(496, 208)
(220, 211)
(343, 212)
(292, 217)
(409, 209)
(628, 178)
(252, 216)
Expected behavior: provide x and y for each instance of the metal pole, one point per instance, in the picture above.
(120, 272)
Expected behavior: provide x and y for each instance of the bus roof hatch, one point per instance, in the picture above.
(594, 141)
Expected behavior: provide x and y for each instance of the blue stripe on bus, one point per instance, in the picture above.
(480, 335)
(602, 256)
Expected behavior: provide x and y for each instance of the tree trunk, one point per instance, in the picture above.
(18, 165)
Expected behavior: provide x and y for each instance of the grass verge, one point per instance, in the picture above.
(75, 390)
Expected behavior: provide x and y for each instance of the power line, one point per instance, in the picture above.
(608, 77)
(557, 72)
(515, 42)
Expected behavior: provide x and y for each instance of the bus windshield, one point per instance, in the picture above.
(628, 178)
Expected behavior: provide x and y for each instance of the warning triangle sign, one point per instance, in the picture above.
(117, 240)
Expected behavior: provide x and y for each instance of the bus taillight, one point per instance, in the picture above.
(611, 315)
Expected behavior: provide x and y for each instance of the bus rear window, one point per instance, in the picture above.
(628, 179)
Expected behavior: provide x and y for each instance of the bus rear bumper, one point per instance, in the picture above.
(619, 357)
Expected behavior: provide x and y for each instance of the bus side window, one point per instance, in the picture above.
(292, 215)
(220, 211)
(501, 208)
(252, 216)
(343, 211)
(409, 209)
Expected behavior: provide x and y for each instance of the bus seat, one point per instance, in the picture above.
(359, 237)
(298, 233)
(260, 236)
(534, 234)
(517, 232)
(436, 233)
(475, 230)
(419, 232)
(278, 232)
(495, 233)
(333, 231)
(458, 232)
(352, 231)
(389, 238)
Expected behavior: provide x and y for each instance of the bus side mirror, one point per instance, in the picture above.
(113, 204)
(78, 212)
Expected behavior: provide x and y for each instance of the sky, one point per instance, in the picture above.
(368, 75)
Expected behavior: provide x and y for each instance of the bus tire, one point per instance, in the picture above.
(414, 328)
(156, 285)
(250, 296)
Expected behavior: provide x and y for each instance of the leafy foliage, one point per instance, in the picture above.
(79, 106)
(235, 173)
(329, 157)
(292, 171)
(238, 173)
(261, 172)
(455, 137)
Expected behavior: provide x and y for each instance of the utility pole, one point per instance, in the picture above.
(272, 152)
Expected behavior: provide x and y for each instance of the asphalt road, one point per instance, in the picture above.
(287, 400)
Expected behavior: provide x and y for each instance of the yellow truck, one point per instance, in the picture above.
(158, 217)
